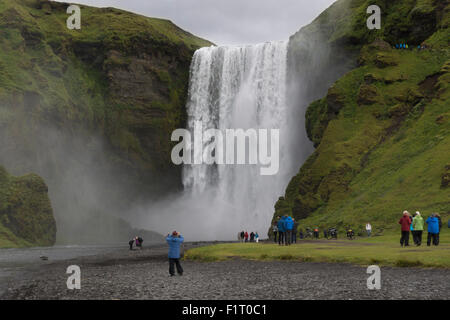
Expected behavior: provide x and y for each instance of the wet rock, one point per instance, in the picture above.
(25, 209)
(383, 60)
(367, 95)
(399, 110)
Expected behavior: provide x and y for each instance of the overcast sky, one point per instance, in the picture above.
(227, 21)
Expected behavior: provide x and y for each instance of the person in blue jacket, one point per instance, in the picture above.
(411, 229)
(281, 231)
(289, 225)
(433, 230)
(174, 240)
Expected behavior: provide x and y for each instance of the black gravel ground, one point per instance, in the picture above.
(144, 275)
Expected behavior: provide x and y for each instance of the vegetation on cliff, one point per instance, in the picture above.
(91, 110)
(382, 132)
(26, 216)
(122, 75)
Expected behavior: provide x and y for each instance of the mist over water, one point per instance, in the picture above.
(90, 196)
(235, 87)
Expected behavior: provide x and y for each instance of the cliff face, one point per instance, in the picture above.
(381, 132)
(91, 110)
(26, 216)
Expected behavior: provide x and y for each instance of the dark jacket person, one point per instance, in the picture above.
(281, 230)
(130, 243)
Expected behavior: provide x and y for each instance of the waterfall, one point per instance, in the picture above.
(230, 88)
(235, 87)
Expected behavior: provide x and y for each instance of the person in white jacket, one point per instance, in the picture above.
(368, 229)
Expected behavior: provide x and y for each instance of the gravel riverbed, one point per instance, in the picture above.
(125, 274)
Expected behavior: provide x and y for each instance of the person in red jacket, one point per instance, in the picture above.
(405, 222)
(246, 236)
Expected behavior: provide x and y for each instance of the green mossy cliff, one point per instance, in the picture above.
(92, 110)
(382, 131)
(26, 215)
(122, 76)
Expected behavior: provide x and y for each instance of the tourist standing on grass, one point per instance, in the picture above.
(256, 237)
(281, 231)
(246, 236)
(289, 226)
(405, 223)
(294, 231)
(275, 231)
(418, 228)
(252, 236)
(368, 229)
(316, 233)
(242, 236)
(350, 233)
(433, 230)
(174, 240)
(438, 216)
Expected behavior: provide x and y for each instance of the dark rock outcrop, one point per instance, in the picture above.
(26, 215)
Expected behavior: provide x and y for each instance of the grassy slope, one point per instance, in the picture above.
(382, 251)
(387, 146)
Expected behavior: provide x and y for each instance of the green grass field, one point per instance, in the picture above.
(380, 250)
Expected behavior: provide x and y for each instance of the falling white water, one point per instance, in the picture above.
(239, 87)
(235, 87)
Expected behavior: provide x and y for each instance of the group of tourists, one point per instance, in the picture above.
(330, 233)
(285, 233)
(406, 46)
(174, 240)
(136, 241)
(351, 232)
(286, 229)
(415, 225)
(401, 46)
(244, 236)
